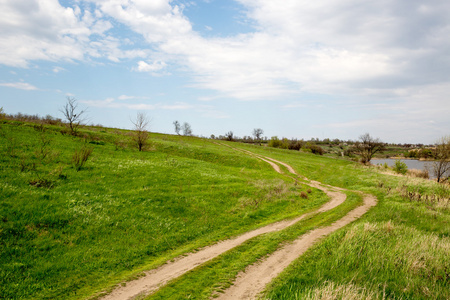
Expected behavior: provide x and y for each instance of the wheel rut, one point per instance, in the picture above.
(246, 286)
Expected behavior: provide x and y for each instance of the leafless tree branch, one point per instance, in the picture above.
(73, 117)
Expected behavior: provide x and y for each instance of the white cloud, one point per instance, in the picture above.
(342, 47)
(298, 46)
(152, 68)
(58, 69)
(176, 106)
(421, 116)
(294, 105)
(32, 30)
(112, 103)
(156, 20)
(126, 97)
(20, 86)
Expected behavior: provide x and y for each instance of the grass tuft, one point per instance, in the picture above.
(80, 157)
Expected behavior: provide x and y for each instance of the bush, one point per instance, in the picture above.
(295, 145)
(315, 149)
(284, 143)
(275, 142)
(42, 182)
(64, 131)
(411, 154)
(425, 153)
(80, 157)
(400, 167)
(48, 119)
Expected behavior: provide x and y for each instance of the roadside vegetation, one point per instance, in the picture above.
(83, 211)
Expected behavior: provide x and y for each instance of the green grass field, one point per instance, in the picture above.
(69, 234)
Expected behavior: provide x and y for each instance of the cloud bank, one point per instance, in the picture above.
(369, 52)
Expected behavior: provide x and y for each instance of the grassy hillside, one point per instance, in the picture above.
(68, 231)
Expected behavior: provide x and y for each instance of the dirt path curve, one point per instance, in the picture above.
(156, 278)
(254, 279)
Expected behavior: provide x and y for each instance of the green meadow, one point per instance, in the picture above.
(71, 229)
(68, 233)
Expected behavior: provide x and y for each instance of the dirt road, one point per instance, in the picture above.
(253, 280)
(246, 287)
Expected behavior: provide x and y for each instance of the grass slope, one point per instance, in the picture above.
(399, 250)
(67, 233)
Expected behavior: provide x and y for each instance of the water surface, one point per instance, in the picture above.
(410, 163)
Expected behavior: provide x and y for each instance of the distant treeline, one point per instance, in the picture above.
(313, 145)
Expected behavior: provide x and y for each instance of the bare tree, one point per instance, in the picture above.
(441, 165)
(229, 135)
(367, 146)
(257, 133)
(186, 128)
(73, 116)
(140, 127)
(177, 127)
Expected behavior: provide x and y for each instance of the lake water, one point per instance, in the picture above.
(410, 163)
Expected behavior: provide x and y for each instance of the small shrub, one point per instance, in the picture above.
(25, 165)
(400, 167)
(42, 182)
(275, 142)
(51, 120)
(58, 172)
(348, 152)
(315, 148)
(39, 127)
(295, 145)
(304, 195)
(44, 146)
(80, 157)
(64, 131)
(309, 191)
(119, 144)
(284, 143)
(97, 143)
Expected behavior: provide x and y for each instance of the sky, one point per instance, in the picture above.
(294, 68)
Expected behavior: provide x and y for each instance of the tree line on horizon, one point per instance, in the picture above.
(365, 147)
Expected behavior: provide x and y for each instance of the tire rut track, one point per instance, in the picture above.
(252, 282)
(156, 278)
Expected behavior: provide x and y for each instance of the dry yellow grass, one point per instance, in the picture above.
(333, 291)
